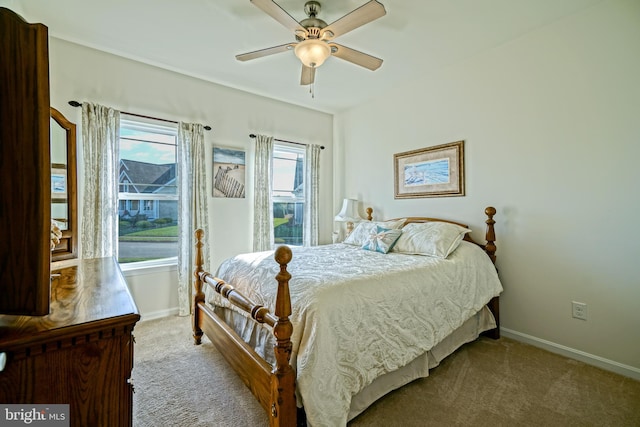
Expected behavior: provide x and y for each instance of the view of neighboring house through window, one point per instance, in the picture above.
(147, 191)
(288, 194)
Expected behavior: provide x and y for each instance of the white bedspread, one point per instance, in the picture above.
(359, 314)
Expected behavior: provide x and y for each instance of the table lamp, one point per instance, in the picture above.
(349, 214)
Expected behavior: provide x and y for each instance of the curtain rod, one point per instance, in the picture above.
(77, 104)
(253, 135)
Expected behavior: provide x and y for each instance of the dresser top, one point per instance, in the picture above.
(83, 293)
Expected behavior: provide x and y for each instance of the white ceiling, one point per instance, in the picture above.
(200, 38)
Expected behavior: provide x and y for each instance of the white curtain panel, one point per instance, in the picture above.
(311, 194)
(193, 210)
(263, 210)
(100, 136)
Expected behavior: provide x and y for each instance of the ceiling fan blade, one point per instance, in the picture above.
(265, 52)
(308, 75)
(364, 14)
(272, 9)
(356, 57)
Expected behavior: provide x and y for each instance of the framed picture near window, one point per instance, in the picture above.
(436, 171)
(228, 172)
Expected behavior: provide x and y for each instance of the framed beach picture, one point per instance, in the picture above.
(58, 182)
(228, 172)
(430, 172)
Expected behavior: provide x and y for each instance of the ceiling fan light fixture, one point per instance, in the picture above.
(312, 52)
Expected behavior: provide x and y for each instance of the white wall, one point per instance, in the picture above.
(154, 290)
(552, 129)
(83, 74)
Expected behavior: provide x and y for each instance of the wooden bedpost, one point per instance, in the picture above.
(490, 235)
(283, 398)
(369, 214)
(198, 295)
(490, 249)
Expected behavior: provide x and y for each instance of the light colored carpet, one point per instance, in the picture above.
(175, 380)
(485, 383)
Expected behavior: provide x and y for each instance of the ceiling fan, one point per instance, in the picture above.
(314, 37)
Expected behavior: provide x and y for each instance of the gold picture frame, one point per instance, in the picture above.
(436, 171)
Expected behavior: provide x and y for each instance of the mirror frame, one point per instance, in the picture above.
(68, 246)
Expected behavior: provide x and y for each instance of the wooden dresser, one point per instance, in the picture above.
(81, 353)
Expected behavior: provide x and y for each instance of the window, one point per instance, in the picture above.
(288, 194)
(147, 191)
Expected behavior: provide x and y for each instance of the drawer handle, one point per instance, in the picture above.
(3, 361)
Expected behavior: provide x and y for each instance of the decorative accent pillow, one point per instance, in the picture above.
(381, 239)
(362, 231)
(436, 239)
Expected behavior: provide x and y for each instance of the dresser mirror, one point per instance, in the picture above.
(63, 185)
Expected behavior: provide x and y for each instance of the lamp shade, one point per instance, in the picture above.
(349, 211)
(312, 52)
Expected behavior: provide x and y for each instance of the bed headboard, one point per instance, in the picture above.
(490, 234)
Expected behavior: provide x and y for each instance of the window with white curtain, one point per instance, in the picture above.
(288, 194)
(147, 191)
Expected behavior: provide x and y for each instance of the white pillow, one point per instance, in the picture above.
(360, 234)
(393, 224)
(434, 238)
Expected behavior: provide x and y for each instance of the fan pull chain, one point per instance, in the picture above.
(312, 90)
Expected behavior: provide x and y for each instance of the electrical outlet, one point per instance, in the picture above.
(579, 310)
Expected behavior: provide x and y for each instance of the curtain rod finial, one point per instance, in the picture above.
(75, 103)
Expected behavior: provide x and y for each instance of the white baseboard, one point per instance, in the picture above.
(590, 359)
(160, 313)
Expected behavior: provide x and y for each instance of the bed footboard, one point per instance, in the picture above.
(273, 387)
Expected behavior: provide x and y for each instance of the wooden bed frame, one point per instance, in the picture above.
(274, 387)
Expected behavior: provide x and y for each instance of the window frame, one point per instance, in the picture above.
(137, 123)
(300, 151)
